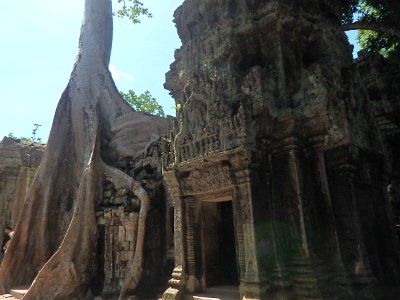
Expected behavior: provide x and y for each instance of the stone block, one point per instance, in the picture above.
(125, 255)
(122, 192)
(130, 234)
(125, 246)
(121, 233)
(132, 246)
(107, 194)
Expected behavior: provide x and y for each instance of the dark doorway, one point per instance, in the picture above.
(219, 247)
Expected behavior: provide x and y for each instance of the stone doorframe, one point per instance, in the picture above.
(227, 176)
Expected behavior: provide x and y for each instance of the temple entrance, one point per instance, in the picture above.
(218, 244)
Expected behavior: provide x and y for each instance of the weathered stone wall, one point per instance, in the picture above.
(19, 162)
(118, 213)
(273, 114)
(381, 78)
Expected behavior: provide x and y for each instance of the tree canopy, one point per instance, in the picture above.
(144, 102)
(377, 22)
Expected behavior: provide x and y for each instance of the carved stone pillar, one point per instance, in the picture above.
(193, 254)
(241, 261)
(291, 219)
(252, 282)
(177, 282)
(342, 171)
(324, 239)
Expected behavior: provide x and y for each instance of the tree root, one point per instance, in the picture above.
(135, 266)
(71, 264)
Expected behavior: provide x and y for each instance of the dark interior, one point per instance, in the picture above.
(219, 249)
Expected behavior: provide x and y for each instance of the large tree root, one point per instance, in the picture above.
(68, 267)
(135, 266)
(55, 243)
(73, 261)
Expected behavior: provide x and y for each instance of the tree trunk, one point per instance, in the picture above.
(54, 245)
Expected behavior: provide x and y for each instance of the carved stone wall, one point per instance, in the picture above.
(117, 216)
(19, 162)
(381, 77)
(273, 113)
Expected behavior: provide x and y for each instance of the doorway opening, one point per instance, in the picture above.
(218, 244)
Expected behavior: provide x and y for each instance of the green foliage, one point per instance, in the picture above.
(144, 102)
(25, 139)
(33, 138)
(382, 16)
(132, 9)
(377, 42)
(348, 9)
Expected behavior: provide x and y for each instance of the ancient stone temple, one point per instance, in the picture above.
(18, 165)
(276, 167)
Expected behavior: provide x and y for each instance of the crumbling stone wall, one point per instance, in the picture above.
(117, 216)
(19, 162)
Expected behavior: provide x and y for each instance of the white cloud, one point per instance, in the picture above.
(118, 75)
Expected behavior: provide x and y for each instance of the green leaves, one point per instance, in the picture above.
(132, 9)
(378, 12)
(348, 10)
(377, 42)
(144, 102)
(377, 24)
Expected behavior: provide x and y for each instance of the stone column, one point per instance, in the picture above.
(177, 282)
(241, 260)
(252, 282)
(290, 218)
(193, 255)
(334, 278)
(342, 172)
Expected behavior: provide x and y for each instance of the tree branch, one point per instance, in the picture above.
(371, 26)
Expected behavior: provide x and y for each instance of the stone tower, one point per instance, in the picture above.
(276, 169)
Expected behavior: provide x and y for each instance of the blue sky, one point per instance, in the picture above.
(39, 47)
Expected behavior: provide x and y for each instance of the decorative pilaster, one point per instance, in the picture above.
(177, 282)
(193, 254)
(331, 271)
(252, 283)
(342, 171)
(240, 248)
(291, 221)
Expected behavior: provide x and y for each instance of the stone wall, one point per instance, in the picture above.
(19, 162)
(381, 78)
(274, 115)
(118, 213)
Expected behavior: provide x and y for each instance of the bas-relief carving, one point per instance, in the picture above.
(251, 273)
(207, 179)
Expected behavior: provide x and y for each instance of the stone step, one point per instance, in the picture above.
(216, 293)
(19, 292)
(7, 297)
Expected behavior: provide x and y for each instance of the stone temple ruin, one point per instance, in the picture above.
(279, 178)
